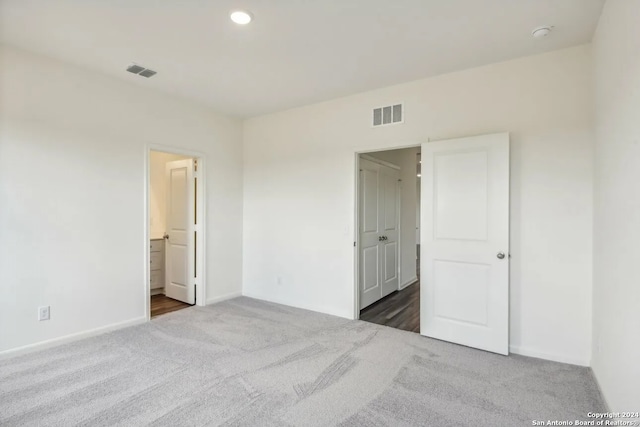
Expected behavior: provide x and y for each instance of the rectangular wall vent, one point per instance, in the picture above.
(387, 115)
(147, 73)
(141, 71)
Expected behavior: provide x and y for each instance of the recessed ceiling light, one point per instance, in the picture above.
(241, 17)
(541, 32)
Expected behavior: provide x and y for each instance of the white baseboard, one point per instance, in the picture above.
(522, 351)
(70, 338)
(223, 298)
(408, 282)
(301, 306)
(604, 398)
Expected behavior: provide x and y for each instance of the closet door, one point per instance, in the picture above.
(390, 214)
(379, 223)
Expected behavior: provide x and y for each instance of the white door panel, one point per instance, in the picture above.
(369, 245)
(390, 269)
(461, 291)
(464, 226)
(370, 268)
(369, 200)
(180, 255)
(390, 182)
(391, 197)
(461, 198)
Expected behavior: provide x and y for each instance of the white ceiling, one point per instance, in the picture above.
(296, 52)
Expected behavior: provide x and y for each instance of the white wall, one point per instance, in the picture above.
(406, 159)
(158, 191)
(616, 318)
(299, 190)
(72, 202)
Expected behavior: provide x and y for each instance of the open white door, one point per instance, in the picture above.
(180, 254)
(465, 242)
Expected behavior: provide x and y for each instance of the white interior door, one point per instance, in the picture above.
(465, 242)
(180, 256)
(390, 214)
(379, 225)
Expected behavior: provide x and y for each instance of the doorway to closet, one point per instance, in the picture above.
(388, 214)
(173, 234)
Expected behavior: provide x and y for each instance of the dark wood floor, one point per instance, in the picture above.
(161, 304)
(400, 310)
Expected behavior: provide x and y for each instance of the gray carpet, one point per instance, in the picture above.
(250, 363)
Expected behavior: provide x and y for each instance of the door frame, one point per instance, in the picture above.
(201, 228)
(356, 220)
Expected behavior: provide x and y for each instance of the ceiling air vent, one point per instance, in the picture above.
(141, 71)
(387, 115)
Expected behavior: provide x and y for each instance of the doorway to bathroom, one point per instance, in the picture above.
(175, 237)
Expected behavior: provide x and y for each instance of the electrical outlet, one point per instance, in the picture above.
(44, 313)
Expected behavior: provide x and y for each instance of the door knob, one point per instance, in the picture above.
(500, 255)
(380, 239)
(166, 236)
(385, 238)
